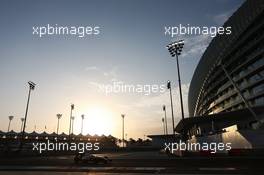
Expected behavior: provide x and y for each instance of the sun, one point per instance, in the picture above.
(98, 121)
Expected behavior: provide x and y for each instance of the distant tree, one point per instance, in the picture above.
(119, 141)
(139, 140)
(132, 141)
(148, 141)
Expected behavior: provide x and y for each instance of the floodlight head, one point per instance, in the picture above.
(59, 116)
(82, 116)
(22, 119)
(168, 84)
(10, 117)
(175, 48)
(176, 43)
(123, 115)
(31, 85)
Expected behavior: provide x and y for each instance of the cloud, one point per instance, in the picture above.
(95, 84)
(155, 102)
(221, 18)
(195, 45)
(110, 75)
(101, 78)
(91, 68)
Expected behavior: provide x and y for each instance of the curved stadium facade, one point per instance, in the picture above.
(215, 104)
(242, 54)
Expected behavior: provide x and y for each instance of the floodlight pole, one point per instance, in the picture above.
(165, 119)
(123, 129)
(180, 89)
(163, 125)
(72, 107)
(58, 124)
(72, 124)
(172, 114)
(175, 49)
(10, 119)
(31, 87)
(82, 116)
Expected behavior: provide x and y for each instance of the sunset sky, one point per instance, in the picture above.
(130, 48)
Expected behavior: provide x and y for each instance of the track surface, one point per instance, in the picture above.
(133, 162)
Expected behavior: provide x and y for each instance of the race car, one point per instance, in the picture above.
(90, 158)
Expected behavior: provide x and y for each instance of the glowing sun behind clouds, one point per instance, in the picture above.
(98, 121)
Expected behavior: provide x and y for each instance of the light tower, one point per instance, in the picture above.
(123, 129)
(175, 49)
(58, 124)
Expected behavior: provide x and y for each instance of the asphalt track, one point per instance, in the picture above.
(131, 163)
